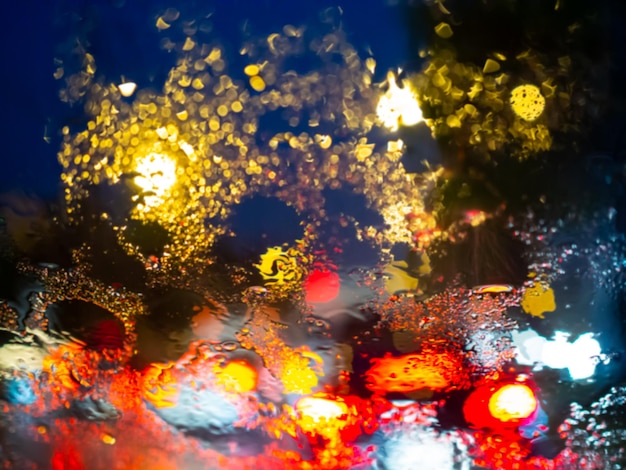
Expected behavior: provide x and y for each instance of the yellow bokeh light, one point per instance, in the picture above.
(251, 70)
(512, 402)
(237, 376)
(538, 299)
(280, 267)
(297, 374)
(319, 413)
(398, 106)
(107, 439)
(444, 30)
(156, 176)
(527, 102)
(257, 83)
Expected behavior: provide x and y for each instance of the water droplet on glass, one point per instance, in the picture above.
(229, 345)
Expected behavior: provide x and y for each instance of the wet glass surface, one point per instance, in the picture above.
(374, 235)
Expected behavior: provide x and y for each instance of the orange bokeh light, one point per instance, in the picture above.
(237, 376)
(321, 286)
(411, 372)
(512, 402)
(160, 386)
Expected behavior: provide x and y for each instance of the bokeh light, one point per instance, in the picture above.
(321, 413)
(500, 405)
(527, 102)
(398, 106)
(394, 300)
(237, 376)
(430, 370)
(321, 286)
(156, 176)
(127, 88)
(512, 402)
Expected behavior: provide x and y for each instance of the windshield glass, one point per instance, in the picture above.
(385, 234)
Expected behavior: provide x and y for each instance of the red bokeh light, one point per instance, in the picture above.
(500, 405)
(67, 457)
(321, 286)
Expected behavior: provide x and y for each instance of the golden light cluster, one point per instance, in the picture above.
(492, 108)
(466, 100)
(199, 147)
(538, 299)
(156, 176)
(398, 106)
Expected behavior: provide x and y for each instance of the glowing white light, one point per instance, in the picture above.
(426, 452)
(557, 354)
(157, 174)
(188, 149)
(579, 358)
(127, 88)
(512, 402)
(529, 346)
(318, 408)
(398, 106)
(583, 362)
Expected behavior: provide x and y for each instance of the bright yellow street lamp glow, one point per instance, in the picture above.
(157, 174)
(398, 106)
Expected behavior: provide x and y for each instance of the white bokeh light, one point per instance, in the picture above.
(579, 357)
(426, 451)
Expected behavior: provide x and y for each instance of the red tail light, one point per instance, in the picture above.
(500, 405)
